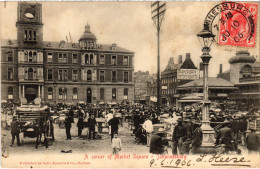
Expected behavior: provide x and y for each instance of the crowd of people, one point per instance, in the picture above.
(230, 129)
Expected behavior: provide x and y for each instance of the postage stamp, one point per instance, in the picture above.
(237, 24)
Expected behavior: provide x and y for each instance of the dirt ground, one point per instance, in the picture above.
(77, 145)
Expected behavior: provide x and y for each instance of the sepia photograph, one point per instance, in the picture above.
(130, 84)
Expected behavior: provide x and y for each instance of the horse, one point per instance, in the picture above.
(41, 128)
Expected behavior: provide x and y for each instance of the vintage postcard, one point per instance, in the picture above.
(148, 84)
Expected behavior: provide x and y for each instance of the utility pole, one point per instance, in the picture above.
(158, 10)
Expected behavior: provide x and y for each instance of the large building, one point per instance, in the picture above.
(62, 72)
(174, 74)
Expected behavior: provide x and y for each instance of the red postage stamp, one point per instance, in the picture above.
(237, 24)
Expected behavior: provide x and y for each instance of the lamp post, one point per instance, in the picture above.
(158, 10)
(206, 39)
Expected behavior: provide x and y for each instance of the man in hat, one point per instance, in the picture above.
(252, 141)
(91, 124)
(178, 132)
(15, 131)
(68, 126)
(196, 138)
(114, 122)
(243, 128)
(156, 145)
(227, 137)
(186, 140)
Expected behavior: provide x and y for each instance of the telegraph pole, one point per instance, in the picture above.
(158, 10)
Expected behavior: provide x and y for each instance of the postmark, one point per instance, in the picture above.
(236, 25)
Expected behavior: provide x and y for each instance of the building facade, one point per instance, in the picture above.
(62, 72)
(174, 74)
(141, 79)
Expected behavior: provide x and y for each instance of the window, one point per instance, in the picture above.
(9, 56)
(75, 75)
(49, 57)
(125, 94)
(63, 58)
(114, 94)
(10, 93)
(125, 60)
(113, 76)
(126, 77)
(75, 94)
(63, 74)
(34, 56)
(30, 73)
(10, 73)
(113, 61)
(30, 35)
(101, 59)
(91, 59)
(102, 76)
(30, 57)
(49, 74)
(75, 58)
(60, 93)
(89, 76)
(86, 59)
(50, 93)
(102, 94)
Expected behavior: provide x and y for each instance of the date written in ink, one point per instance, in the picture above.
(174, 163)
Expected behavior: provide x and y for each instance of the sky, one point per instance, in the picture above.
(129, 25)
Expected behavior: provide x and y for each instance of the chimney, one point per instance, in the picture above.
(220, 68)
(187, 56)
(180, 59)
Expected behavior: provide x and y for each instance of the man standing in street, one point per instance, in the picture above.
(15, 131)
(91, 123)
(196, 138)
(80, 123)
(114, 122)
(148, 127)
(227, 138)
(178, 133)
(68, 126)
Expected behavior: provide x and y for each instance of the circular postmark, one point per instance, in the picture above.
(237, 23)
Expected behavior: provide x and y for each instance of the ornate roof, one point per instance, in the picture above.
(87, 35)
(242, 57)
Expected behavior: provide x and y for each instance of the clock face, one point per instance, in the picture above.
(30, 12)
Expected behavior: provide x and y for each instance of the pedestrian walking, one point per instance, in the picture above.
(114, 122)
(116, 144)
(91, 124)
(68, 126)
(15, 131)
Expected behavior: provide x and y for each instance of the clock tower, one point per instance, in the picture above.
(29, 25)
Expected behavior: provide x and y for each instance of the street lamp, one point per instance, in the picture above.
(206, 39)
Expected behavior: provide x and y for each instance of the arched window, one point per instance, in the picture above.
(86, 59)
(125, 94)
(30, 73)
(102, 94)
(50, 93)
(246, 68)
(75, 93)
(30, 57)
(91, 59)
(10, 93)
(60, 93)
(114, 94)
(89, 75)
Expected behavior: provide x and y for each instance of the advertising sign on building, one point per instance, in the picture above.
(187, 74)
